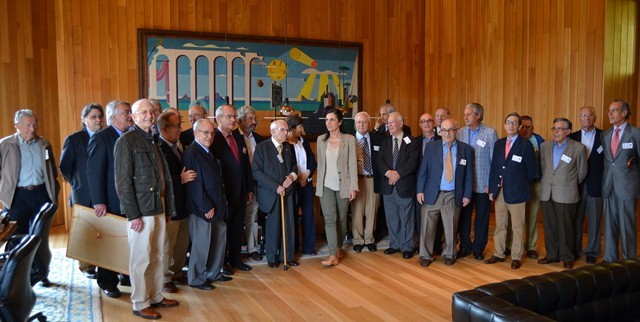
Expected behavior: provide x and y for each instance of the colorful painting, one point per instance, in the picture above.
(178, 68)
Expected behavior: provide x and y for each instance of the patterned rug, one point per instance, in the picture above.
(72, 296)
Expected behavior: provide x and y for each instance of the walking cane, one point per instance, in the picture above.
(284, 234)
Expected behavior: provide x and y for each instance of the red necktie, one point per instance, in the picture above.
(233, 146)
(615, 142)
(506, 151)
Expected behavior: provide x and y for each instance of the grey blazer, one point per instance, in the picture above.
(347, 165)
(561, 184)
(622, 170)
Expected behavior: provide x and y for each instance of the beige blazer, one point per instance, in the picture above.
(10, 169)
(347, 165)
(561, 184)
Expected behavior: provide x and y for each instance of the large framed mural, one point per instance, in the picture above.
(178, 68)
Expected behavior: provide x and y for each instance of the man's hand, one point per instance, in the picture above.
(352, 195)
(393, 177)
(491, 196)
(280, 190)
(420, 197)
(378, 124)
(250, 197)
(210, 213)
(187, 175)
(136, 224)
(101, 209)
(465, 201)
(287, 182)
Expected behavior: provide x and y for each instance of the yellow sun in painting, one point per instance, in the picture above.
(277, 70)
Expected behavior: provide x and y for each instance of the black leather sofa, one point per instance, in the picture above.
(600, 292)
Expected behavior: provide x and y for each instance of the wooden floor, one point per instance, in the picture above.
(365, 286)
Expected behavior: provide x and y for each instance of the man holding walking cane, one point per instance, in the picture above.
(274, 169)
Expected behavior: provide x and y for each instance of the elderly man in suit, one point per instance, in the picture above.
(398, 162)
(621, 182)
(100, 166)
(591, 201)
(365, 205)
(445, 185)
(275, 170)
(208, 207)
(513, 166)
(564, 166)
(229, 147)
(73, 163)
(481, 138)
(247, 123)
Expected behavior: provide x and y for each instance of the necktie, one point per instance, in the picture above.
(395, 153)
(180, 149)
(506, 151)
(233, 146)
(175, 150)
(615, 142)
(448, 166)
(366, 155)
(280, 149)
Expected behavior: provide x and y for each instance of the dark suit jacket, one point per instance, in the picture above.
(622, 169)
(175, 167)
(187, 137)
(238, 180)
(312, 165)
(595, 164)
(269, 172)
(418, 138)
(516, 171)
(407, 166)
(431, 172)
(73, 166)
(206, 191)
(100, 168)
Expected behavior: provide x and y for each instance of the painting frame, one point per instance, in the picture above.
(311, 75)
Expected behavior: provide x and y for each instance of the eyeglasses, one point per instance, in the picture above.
(206, 133)
(203, 115)
(427, 121)
(451, 130)
(559, 129)
(280, 129)
(511, 123)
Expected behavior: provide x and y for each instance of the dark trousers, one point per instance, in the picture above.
(235, 230)
(305, 202)
(558, 220)
(107, 279)
(480, 224)
(274, 245)
(25, 205)
(381, 230)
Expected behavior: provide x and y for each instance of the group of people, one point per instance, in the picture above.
(200, 190)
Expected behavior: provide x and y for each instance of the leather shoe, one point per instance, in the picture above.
(567, 264)
(478, 256)
(357, 248)
(463, 253)
(591, 259)
(223, 278)
(425, 262)
(390, 251)
(226, 270)
(147, 313)
(449, 261)
(546, 260)
(515, 264)
(533, 254)
(273, 264)
(372, 247)
(407, 255)
(170, 288)
(204, 286)
(494, 259)
(112, 292)
(166, 303)
(331, 261)
(242, 266)
(293, 263)
(255, 256)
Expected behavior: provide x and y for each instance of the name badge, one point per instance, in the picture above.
(627, 145)
(600, 149)
(46, 154)
(244, 150)
(516, 158)
(481, 143)
(376, 148)
(407, 140)
(463, 162)
(280, 158)
(565, 158)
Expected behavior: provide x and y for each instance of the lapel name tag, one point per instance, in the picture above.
(627, 145)
(481, 143)
(280, 158)
(600, 149)
(565, 158)
(407, 140)
(463, 162)
(376, 148)
(516, 158)
(46, 154)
